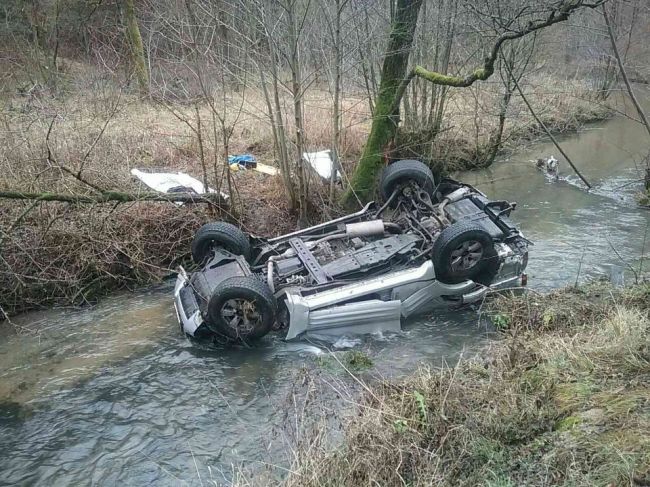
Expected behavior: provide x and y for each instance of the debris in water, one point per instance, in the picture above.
(550, 166)
(346, 342)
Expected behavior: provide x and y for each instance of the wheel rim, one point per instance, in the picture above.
(467, 255)
(408, 186)
(241, 315)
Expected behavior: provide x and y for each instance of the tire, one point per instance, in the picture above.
(219, 234)
(249, 302)
(469, 242)
(400, 172)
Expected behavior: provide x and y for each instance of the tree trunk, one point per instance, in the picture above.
(277, 129)
(37, 19)
(134, 40)
(199, 139)
(497, 137)
(384, 122)
(510, 62)
(297, 92)
(336, 108)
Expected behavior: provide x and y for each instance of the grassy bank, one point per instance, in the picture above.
(60, 253)
(562, 399)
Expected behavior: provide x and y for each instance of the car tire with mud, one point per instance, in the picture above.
(401, 172)
(219, 234)
(465, 251)
(241, 308)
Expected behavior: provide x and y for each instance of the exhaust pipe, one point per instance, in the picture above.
(364, 229)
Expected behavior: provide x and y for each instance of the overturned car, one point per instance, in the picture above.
(428, 245)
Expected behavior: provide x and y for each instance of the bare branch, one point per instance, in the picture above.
(557, 15)
(116, 196)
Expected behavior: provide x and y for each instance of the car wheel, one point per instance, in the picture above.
(465, 251)
(219, 234)
(401, 172)
(241, 308)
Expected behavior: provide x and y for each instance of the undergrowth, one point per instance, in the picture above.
(562, 399)
(73, 255)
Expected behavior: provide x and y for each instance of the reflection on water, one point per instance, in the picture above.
(115, 394)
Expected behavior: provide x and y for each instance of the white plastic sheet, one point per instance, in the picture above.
(165, 181)
(322, 164)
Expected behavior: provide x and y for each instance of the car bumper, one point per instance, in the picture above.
(187, 308)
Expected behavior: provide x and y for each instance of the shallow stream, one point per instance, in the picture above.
(117, 395)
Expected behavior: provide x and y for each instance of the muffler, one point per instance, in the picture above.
(365, 229)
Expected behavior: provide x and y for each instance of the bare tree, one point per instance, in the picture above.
(134, 40)
(513, 64)
(396, 79)
(628, 86)
(296, 22)
(268, 56)
(333, 61)
(282, 25)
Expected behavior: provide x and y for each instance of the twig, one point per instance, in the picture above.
(17, 222)
(584, 250)
(99, 136)
(52, 160)
(645, 237)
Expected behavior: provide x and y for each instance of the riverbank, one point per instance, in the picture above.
(561, 399)
(69, 254)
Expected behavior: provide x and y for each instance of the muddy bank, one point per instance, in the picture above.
(63, 255)
(561, 399)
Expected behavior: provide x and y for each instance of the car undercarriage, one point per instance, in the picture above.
(428, 245)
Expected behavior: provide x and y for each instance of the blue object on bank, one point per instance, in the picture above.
(247, 161)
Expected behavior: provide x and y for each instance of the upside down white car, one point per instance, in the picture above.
(429, 245)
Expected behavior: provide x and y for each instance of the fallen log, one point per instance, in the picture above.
(119, 197)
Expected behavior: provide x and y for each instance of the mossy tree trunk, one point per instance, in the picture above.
(134, 40)
(395, 80)
(385, 120)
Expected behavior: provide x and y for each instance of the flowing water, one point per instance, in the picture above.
(116, 395)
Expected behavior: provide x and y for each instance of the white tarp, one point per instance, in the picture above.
(321, 162)
(163, 182)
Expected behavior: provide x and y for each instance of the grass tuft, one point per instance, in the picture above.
(559, 401)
